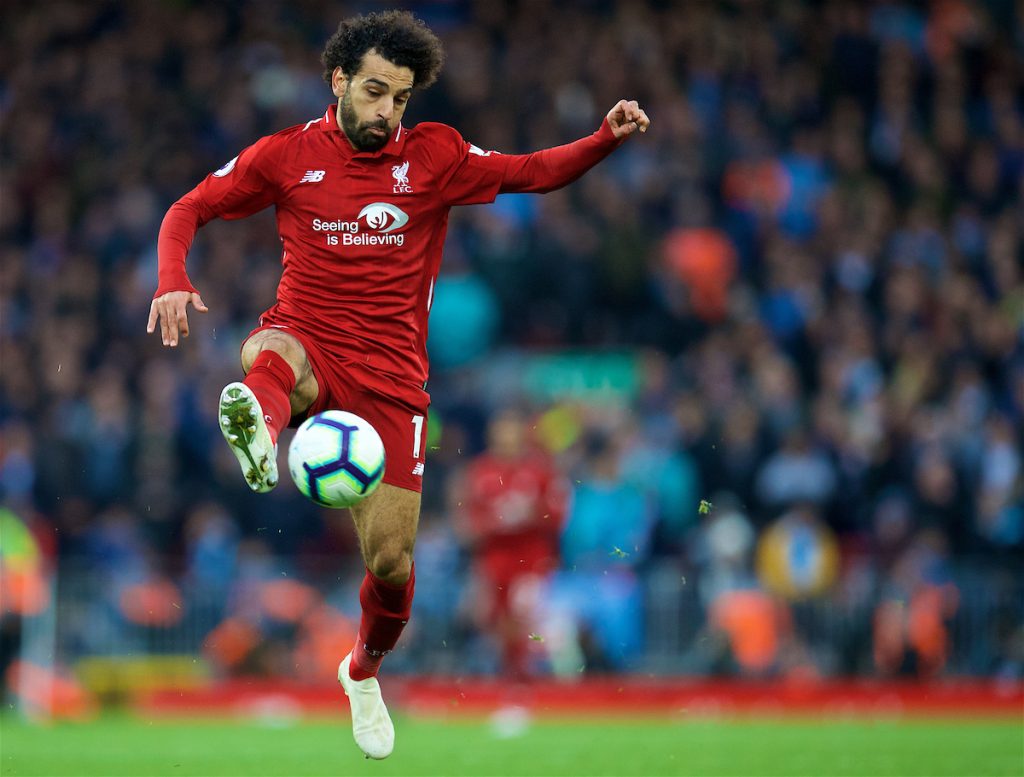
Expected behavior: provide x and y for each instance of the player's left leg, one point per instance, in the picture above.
(386, 523)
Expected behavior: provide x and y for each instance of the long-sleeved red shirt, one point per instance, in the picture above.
(362, 231)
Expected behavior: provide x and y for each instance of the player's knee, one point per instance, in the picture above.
(306, 389)
(290, 350)
(282, 343)
(392, 564)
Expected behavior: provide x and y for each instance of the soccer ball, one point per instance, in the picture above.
(336, 459)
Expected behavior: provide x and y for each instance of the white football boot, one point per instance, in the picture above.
(243, 426)
(371, 724)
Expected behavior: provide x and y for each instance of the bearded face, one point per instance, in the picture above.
(372, 100)
(364, 135)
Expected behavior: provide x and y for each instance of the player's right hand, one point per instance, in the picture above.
(170, 310)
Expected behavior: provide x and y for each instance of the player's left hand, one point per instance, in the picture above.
(626, 118)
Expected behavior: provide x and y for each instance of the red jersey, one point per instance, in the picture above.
(515, 509)
(362, 231)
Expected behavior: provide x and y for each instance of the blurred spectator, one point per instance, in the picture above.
(705, 261)
(1000, 506)
(911, 623)
(211, 548)
(666, 476)
(796, 472)
(749, 630)
(654, 459)
(25, 582)
(797, 555)
(722, 549)
(463, 314)
(754, 626)
(594, 601)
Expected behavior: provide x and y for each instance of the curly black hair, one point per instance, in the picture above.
(398, 36)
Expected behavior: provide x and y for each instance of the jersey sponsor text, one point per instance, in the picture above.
(372, 240)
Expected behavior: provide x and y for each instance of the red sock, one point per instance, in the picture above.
(272, 379)
(386, 610)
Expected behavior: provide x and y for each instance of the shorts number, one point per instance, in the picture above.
(417, 438)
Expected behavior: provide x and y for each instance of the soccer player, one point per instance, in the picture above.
(362, 206)
(515, 501)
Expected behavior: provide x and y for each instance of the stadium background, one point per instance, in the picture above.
(773, 347)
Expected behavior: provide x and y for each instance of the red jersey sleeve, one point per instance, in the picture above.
(240, 188)
(476, 176)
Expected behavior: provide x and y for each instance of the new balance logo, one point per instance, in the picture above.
(313, 176)
(418, 469)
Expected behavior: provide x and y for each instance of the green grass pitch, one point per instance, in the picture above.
(114, 746)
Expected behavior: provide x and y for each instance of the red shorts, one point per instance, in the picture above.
(396, 409)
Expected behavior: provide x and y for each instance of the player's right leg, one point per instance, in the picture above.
(279, 382)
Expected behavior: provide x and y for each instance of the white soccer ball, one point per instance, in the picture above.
(336, 458)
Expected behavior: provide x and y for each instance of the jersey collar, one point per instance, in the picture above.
(394, 146)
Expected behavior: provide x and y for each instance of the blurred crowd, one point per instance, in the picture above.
(814, 261)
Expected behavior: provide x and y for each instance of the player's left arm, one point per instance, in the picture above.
(553, 168)
(481, 175)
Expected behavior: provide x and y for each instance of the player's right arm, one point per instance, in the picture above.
(240, 188)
